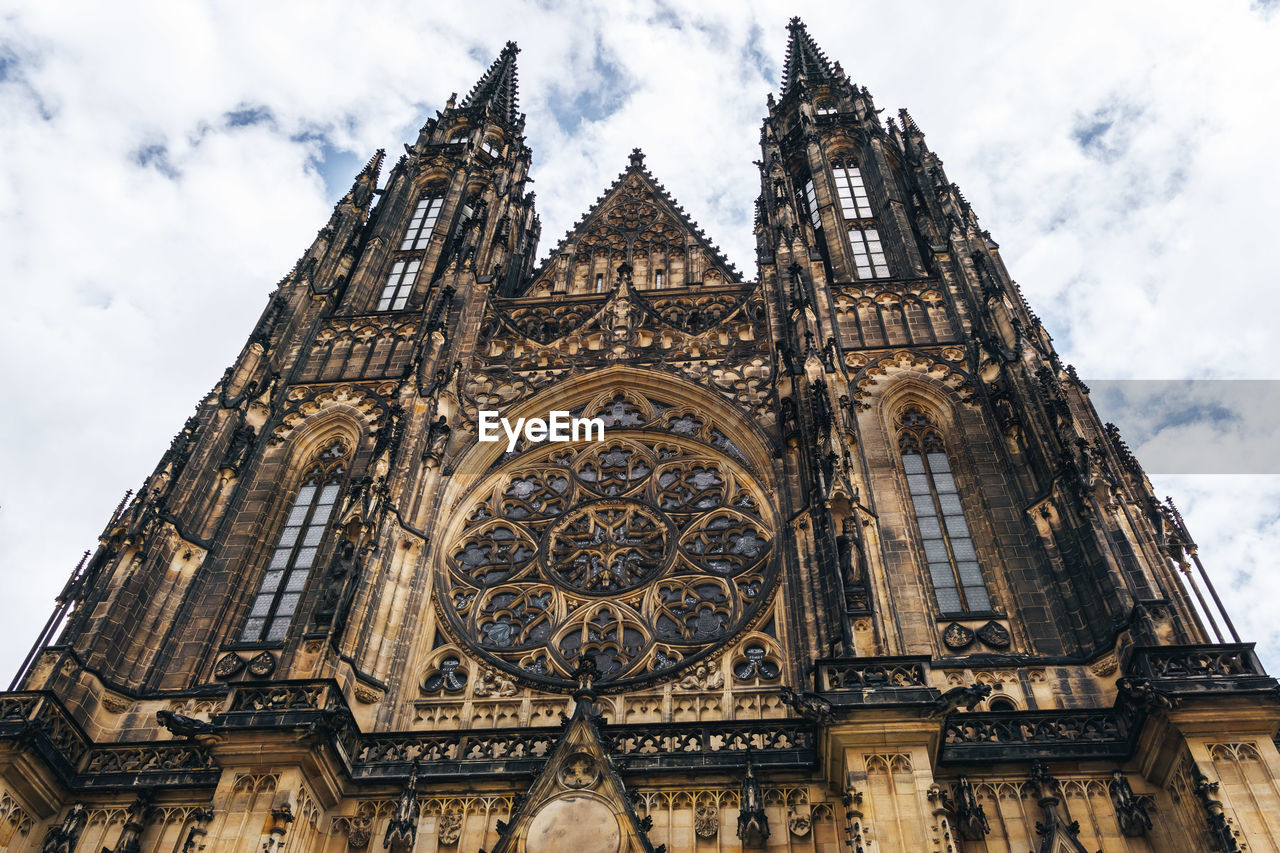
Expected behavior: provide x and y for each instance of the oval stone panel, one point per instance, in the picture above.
(574, 823)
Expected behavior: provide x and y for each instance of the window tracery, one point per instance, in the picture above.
(297, 547)
(644, 553)
(939, 516)
(399, 284)
(850, 189)
(422, 224)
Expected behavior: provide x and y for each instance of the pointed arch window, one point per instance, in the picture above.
(395, 293)
(811, 204)
(940, 522)
(418, 234)
(295, 553)
(854, 203)
(868, 253)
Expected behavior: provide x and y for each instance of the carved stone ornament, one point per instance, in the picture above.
(971, 819)
(493, 683)
(367, 695)
(1131, 811)
(957, 637)
(358, 836)
(799, 822)
(262, 665)
(229, 666)
(580, 771)
(115, 704)
(994, 635)
(1105, 665)
(450, 829)
(753, 823)
(706, 822)
(704, 677)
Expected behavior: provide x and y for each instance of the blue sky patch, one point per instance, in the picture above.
(156, 156)
(601, 95)
(247, 115)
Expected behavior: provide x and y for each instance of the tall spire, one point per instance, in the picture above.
(804, 58)
(497, 88)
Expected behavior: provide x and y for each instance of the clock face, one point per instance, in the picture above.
(643, 552)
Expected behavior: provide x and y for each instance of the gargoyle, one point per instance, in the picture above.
(181, 725)
(1140, 692)
(808, 705)
(960, 697)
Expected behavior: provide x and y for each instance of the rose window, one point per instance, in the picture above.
(607, 546)
(645, 552)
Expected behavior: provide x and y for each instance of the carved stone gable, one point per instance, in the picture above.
(578, 801)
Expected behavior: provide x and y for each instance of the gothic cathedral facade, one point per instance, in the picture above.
(854, 567)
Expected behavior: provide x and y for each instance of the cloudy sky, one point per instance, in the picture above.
(163, 164)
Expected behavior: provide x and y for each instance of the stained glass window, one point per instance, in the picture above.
(940, 522)
(296, 549)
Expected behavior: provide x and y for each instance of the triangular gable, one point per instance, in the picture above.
(635, 219)
(578, 802)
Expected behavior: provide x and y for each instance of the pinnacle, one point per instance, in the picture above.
(805, 60)
(908, 123)
(497, 89)
(375, 162)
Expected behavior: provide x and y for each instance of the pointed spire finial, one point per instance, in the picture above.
(637, 158)
(805, 60)
(374, 166)
(908, 123)
(497, 89)
(362, 188)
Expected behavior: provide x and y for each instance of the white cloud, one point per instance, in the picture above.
(128, 290)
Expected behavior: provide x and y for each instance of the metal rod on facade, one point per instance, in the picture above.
(1204, 605)
(59, 611)
(1189, 545)
(1213, 592)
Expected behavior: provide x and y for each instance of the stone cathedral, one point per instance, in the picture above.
(855, 567)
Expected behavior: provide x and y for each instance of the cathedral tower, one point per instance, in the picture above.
(854, 565)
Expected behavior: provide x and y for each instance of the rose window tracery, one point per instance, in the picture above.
(645, 552)
(607, 547)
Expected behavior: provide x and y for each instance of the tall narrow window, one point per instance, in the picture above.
(422, 224)
(395, 293)
(811, 201)
(868, 254)
(854, 203)
(657, 279)
(599, 282)
(296, 550)
(948, 547)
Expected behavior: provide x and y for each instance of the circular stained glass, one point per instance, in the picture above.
(645, 553)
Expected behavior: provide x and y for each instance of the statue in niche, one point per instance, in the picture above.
(239, 448)
(339, 588)
(849, 547)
